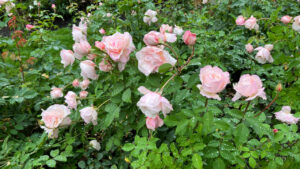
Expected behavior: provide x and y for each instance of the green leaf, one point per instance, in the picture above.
(182, 127)
(197, 161)
(113, 112)
(51, 163)
(219, 164)
(164, 67)
(241, 134)
(126, 97)
(128, 147)
(60, 158)
(208, 122)
(81, 164)
(54, 153)
(252, 162)
(279, 161)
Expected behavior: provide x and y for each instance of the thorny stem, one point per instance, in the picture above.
(268, 105)
(103, 103)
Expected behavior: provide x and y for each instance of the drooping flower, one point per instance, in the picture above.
(249, 48)
(95, 144)
(150, 17)
(119, 46)
(240, 20)
(189, 38)
(105, 66)
(83, 94)
(213, 80)
(79, 32)
(178, 30)
(55, 116)
(81, 49)
(251, 23)
(152, 103)
(89, 115)
(70, 99)
(56, 93)
(286, 19)
(88, 70)
(296, 24)
(153, 38)
(249, 86)
(153, 123)
(150, 58)
(67, 57)
(284, 115)
(84, 84)
(263, 55)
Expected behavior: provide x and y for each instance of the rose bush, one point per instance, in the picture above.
(150, 84)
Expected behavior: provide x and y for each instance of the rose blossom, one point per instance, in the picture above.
(102, 31)
(152, 103)
(286, 19)
(119, 46)
(56, 93)
(70, 99)
(153, 123)
(263, 55)
(249, 48)
(296, 24)
(105, 66)
(95, 144)
(150, 17)
(275, 130)
(251, 23)
(204, 1)
(249, 86)
(100, 45)
(189, 38)
(178, 30)
(79, 32)
(75, 83)
(67, 57)
(89, 115)
(81, 49)
(213, 80)
(151, 57)
(53, 6)
(55, 116)
(166, 28)
(91, 56)
(108, 14)
(84, 84)
(240, 20)
(83, 94)
(29, 27)
(153, 38)
(284, 115)
(8, 7)
(88, 70)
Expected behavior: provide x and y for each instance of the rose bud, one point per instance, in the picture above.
(275, 130)
(286, 19)
(189, 38)
(75, 83)
(279, 87)
(249, 48)
(240, 20)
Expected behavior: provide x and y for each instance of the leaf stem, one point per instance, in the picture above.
(102, 103)
(247, 106)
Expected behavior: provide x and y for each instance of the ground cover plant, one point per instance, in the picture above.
(150, 84)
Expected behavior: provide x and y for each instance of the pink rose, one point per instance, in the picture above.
(150, 17)
(296, 24)
(70, 99)
(166, 28)
(100, 45)
(119, 46)
(67, 57)
(89, 115)
(178, 30)
(91, 56)
(151, 57)
(286, 19)
(251, 23)
(263, 55)
(249, 86)
(153, 38)
(29, 27)
(189, 38)
(84, 84)
(213, 80)
(88, 70)
(53, 6)
(152, 103)
(100, 3)
(153, 123)
(204, 1)
(55, 116)
(38, 4)
(81, 49)
(240, 20)
(285, 115)
(79, 32)
(75, 83)
(56, 93)
(275, 131)
(102, 31)
(249, 48)
(108, 14)
(105, 66)
(83, 94)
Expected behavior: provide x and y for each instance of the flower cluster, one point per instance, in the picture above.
(250, 23)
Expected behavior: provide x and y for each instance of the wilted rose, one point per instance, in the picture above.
(67, 57)
(285, 115)
(153, 123)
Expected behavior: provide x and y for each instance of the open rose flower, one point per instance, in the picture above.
(81, 49)
(100, 45)
(263, 55)
(166, 28)
(55, 116)
(84, 84)
(152, 103)
(75, 83)
(286, 19)
(189, 38)
(153, 123)
(67, 57)
(296, 24)
(95, 144)
(240, 20)
(249, 86)
(150, 17)
(251, 23)
(285, 115)
(213, 80)
(89, 115)
(249, 48)
(56, 93)
(178, 30)
(70, 99)
(88, 70)
(153, 38)
(83, 94)
(119, 46)
(105, 66)
(151, 57)
(79, 32)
